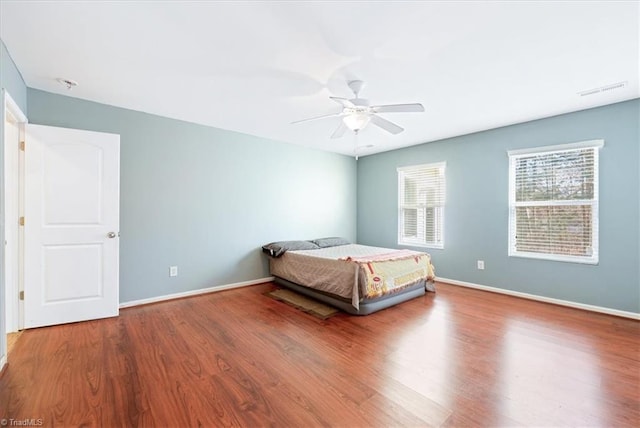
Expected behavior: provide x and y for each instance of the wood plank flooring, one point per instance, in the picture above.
(12, 338)
(457, 358)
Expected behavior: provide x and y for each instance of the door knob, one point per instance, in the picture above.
(111, 235)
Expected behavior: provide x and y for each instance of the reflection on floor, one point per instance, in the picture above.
(455, 358)
(12, 338)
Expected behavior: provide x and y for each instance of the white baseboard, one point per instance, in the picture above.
(592, 308)
(194, 292)
(3, 362)
(559, 302)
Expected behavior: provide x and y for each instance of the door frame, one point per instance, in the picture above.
(14, 317)
(70, 250)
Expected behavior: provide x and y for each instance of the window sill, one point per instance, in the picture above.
(556, 258)
(421, 245)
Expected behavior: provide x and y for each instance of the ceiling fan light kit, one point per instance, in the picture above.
(356, 121)
(357, 113)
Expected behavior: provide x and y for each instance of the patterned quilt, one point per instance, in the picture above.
(353, 271)
(391, 272)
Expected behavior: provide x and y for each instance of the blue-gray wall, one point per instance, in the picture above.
(12, 82)
(11, 79)
(206, 199)
(476, 218)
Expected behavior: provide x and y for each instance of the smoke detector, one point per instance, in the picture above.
(70, 84)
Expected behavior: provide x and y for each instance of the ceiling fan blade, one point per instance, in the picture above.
(340, 130)
(343, 102)
(317, 117)
(398, 108)
(386, 125)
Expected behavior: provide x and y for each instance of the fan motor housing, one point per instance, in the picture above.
(360, 106)
(360, 102)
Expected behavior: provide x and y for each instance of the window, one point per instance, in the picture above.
(421, 197)
(553, 202)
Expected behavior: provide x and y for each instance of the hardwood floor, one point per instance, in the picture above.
(12, 338)
(459, 357)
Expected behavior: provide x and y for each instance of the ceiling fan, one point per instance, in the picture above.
(357, 113)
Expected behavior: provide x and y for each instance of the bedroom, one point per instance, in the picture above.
(177, 208)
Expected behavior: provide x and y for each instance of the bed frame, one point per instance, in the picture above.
(367, 306)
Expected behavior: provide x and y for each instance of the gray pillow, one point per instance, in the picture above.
(330, 242)
(276, 249)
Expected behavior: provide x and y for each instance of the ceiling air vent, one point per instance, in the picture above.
(602, 89)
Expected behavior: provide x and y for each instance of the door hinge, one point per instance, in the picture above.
(21, 221)
(21, 295)
(22, 145)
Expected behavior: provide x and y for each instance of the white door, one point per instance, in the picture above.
(71, 223)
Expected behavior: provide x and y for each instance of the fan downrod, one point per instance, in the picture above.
(356, 86)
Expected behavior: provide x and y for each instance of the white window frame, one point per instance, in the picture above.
(439, 215)
(516, 154)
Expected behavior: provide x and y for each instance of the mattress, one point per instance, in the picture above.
(350, 271)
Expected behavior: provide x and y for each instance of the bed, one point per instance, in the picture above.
(357, 279)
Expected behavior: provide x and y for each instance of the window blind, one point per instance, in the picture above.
(554, 203)
(421, 202)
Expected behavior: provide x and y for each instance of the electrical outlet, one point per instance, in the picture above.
(173, 270)
(481, 264)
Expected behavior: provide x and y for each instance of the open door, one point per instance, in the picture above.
(70, 225)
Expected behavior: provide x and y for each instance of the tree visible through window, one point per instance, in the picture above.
(553, 200)
(421, 198)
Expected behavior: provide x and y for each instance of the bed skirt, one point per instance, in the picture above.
(367, 306)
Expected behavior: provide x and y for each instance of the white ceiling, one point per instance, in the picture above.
(254, 67)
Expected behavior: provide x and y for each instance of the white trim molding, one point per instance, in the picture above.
(12, 106)
(598, 144)
(194, 292)
(560, 302)
(9, 303)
